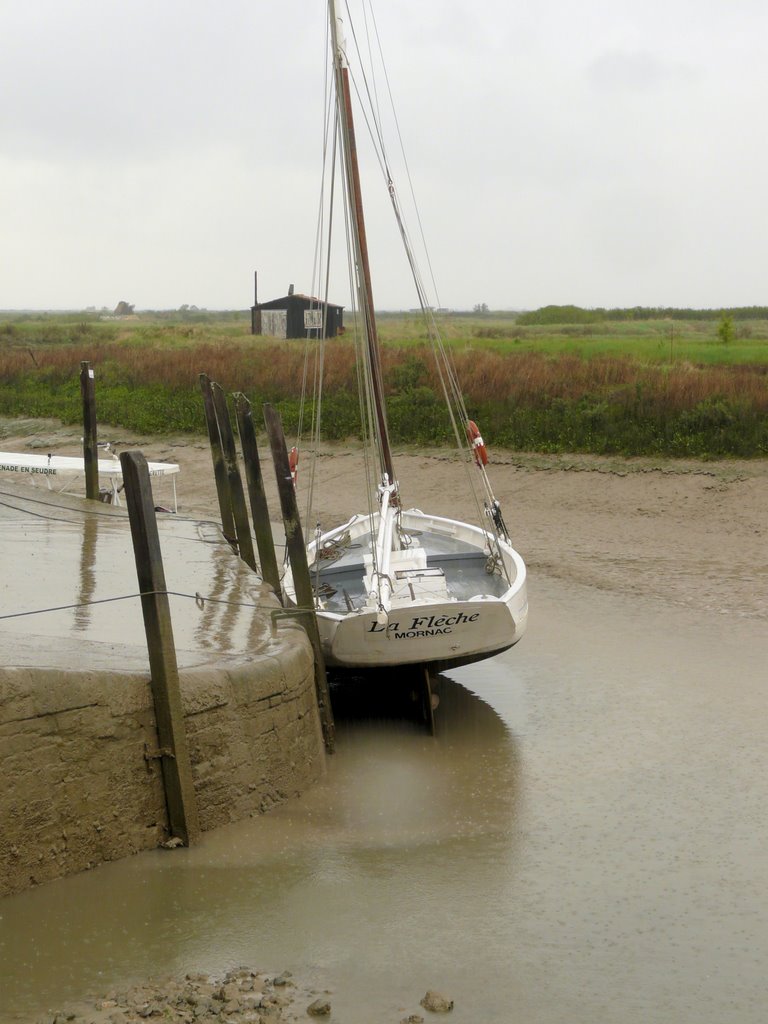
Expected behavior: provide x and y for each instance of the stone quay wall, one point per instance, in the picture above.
(79, 784)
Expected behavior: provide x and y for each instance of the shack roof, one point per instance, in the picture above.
(286, 300)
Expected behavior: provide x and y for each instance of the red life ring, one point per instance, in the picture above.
(478, 446)
(293, 462)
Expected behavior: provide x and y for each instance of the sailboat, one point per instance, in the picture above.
(396, 586)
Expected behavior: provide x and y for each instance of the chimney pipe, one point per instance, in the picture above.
(290, 289)
(255, 287)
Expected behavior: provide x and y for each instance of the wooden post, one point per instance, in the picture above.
(297, 553)
(255, 482)
(166, 694)
(236, 493)
(219, 468)
(427, 704)
(90, 445)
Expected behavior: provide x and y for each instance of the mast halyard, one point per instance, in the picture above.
(365, 292)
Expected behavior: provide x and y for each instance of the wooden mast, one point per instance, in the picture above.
(365, 293)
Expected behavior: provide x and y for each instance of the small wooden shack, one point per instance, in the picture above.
(296, 316)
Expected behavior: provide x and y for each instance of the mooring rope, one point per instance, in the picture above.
(199, 599)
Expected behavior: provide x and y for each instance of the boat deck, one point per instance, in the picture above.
(339, 582)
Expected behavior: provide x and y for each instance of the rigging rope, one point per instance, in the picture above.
(444, 363)
(318, 266)
(369, 52)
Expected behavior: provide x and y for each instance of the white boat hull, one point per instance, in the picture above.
(449, 634)
(475, 615)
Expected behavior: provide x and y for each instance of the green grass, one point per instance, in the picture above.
(652, 341)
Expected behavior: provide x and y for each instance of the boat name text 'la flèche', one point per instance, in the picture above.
(424, 625)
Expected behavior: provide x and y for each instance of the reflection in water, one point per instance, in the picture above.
(414, 787)
(60, 555)
(582, 843)
(217, 591)
(297, 885)
(229, 612)
(87, 573)
(229, 599)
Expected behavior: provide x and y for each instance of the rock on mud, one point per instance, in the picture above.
(436, 1003)
(320, 1008)
(241, 996)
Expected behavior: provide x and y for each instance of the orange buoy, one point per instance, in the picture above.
(478, 446)
(293, 462)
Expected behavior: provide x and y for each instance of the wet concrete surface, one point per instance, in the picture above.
(61, 552)
(583, 841)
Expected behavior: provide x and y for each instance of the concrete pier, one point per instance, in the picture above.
(81, 780)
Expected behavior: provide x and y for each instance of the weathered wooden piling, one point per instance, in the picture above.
(256, 494)
(236, 492)
(166, 694)
(219, 466)
(90, 441)
(427, 703)
(297, 553)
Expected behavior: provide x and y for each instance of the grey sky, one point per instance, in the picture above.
(606, 153)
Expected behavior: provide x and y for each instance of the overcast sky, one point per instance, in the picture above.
(612, 152)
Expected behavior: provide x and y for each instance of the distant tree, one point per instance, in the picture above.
(562, 315)
(123, 308)
(725, 329)
(577, 315)
(481, 308)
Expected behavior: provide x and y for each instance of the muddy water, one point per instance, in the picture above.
(583, 842)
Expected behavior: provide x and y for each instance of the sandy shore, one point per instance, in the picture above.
(689, 533)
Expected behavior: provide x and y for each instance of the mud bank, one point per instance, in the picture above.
(239, 995)
(690, 533)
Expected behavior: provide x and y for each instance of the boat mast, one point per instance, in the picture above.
(365, 294)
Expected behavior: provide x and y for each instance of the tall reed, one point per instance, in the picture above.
(521, 399)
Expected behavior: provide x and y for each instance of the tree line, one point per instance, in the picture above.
(579, 315)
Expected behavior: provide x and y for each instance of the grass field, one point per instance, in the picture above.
(664, 387)
(653, 341)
